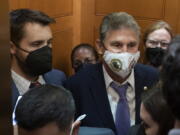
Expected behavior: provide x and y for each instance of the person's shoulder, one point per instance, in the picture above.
(147, 73)
(146, 69)
(56, 74)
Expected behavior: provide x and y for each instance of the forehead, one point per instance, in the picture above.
(160, 34)
(123, 34)
(36, 31)
(83, 52)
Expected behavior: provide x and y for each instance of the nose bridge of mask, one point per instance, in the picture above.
(40, 49)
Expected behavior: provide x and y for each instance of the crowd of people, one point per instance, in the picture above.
(110, 90)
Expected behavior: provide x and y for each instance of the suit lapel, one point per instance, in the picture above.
(99, 94)
(15, 94)
(138, 90)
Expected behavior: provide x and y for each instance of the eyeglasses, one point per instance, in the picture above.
(156, 43)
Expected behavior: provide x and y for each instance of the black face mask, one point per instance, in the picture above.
(79, 67)
(37, 62)
(155, 56)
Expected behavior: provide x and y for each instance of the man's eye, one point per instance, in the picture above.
(37, 43)
(132, 44)
(117, 45)
(153, 42)
(88, 61)
(163, 44)
(77, 63)
(49, 42)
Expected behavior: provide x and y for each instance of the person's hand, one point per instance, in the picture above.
(75, 127)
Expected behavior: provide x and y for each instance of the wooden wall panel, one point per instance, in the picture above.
(61, 50)
(87, 21)
(56, 8)
(178, 20)
(5, 86)
(155, 9)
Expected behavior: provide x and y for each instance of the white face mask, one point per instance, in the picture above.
(121, 63)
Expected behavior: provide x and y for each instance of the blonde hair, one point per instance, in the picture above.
(156, 26)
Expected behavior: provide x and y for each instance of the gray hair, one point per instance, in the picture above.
(116, 21)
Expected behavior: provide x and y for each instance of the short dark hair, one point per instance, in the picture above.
(86, 46)
(171, 76)
(156, 106)
(20, 17)
(43, 105)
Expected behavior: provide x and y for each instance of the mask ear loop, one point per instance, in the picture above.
(21, 48)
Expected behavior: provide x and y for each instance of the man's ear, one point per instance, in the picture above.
(76, 126)
(12, 48)
(100, 47)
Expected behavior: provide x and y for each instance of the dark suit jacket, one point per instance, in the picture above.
(90, 94)
(54, 77)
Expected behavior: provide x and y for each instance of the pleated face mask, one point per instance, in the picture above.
(121, 63)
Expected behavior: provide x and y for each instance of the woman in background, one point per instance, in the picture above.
(156, 40)
(156, 116)
(82, 55)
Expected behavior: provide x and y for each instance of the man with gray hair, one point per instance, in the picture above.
(109, 92)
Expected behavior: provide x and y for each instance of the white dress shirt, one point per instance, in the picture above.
(113, 96)
(23, 84)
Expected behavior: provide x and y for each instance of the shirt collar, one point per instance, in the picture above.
(23, 84)
(108, 79)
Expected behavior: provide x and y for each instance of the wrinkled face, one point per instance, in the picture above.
(49, 129)
(83, 56)
(121, 40)
(158, 38)
(35, 37)
(150, 126)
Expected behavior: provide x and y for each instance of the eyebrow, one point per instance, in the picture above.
(37, 41)
(134, 42)
(113, 42)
